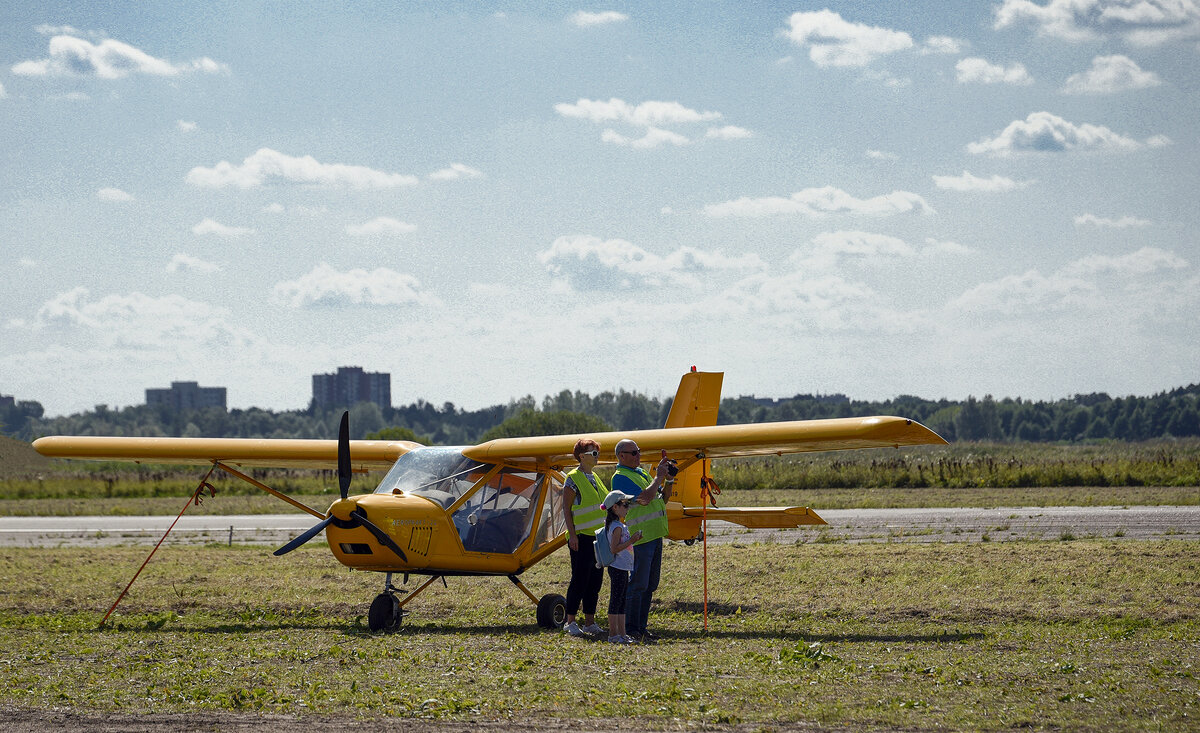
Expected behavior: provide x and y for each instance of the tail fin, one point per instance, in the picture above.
(696, 404)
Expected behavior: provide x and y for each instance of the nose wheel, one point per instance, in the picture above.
(385, 613)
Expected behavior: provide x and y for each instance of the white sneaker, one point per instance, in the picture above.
(593, 628)
(573, 629)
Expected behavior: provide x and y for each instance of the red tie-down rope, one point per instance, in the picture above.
(194, 498)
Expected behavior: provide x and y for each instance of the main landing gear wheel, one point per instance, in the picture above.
(552, 611)
(694, 540)
(385, 613)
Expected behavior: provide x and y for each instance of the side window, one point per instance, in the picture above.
(497, 517)
(551, 522)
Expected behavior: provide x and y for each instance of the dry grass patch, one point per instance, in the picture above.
(1085, 635)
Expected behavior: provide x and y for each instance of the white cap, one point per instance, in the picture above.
(613, 497)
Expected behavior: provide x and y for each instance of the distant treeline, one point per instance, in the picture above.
(1079, 418)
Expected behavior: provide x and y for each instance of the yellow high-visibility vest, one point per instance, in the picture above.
(651, 519)
(586, 512)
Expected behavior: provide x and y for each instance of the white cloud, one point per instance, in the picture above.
(654, 137)
(269, 166)
(824, 303)
(829, 250)
(1124, 222)
(815, 202)
(1140, 22)
(109, 59)
(942, 45)
(728, 132)
(828, 246)
(1145, 261)
(208, 226)
(113, 194)
(584, 19)
(881, 155)
(27, 262)
(184, 126)
(138, 320)
(1044, 132)
(590, 263)
(650, 117)
(384, 225)
(981, 71)
(325, 285)
(1028, 293)
(295, 209)
(182, 261)
(833, 41)
(3, 94)
(645, 114)
(454, 172)
(1109, 75)
(968, 182)
(45, 29)
(934, 247)
(1075, 288)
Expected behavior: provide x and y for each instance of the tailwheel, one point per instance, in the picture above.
(552, 611)
(385, 613)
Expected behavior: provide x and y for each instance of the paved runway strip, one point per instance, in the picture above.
(845, 525)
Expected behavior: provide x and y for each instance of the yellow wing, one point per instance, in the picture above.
(720, 441)
(366, 455)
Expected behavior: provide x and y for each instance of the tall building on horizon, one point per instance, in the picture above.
(349, 386)
(187, 396)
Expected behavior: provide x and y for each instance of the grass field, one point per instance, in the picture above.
(1082, 635)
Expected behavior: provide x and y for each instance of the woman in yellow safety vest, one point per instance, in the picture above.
(583, 494)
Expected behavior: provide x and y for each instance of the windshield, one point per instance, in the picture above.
(438, 474)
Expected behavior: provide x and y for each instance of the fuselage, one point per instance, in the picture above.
(453, 515)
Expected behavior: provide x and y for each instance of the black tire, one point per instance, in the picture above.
(385, 613)
(552, 611)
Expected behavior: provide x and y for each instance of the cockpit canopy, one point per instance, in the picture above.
(441, 475)
(497, 507)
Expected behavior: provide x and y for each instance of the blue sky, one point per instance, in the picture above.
(493, 200)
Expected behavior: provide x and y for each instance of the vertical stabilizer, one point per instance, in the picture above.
(696, 404)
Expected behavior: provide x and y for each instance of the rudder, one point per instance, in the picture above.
(696, 404)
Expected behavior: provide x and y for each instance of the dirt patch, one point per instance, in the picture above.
(18, 458)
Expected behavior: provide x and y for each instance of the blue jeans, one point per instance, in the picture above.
(647, 564)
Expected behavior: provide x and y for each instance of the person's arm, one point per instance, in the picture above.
(618, 546)
(568, 502)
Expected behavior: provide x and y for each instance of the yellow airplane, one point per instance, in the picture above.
(497, 508)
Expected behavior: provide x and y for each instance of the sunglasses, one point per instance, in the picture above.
(592, 453)
(637, 452)
(623, 502)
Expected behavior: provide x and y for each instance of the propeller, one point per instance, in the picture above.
(356, 517)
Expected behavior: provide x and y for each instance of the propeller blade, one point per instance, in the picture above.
(380, 535)
(344, 455)
(308, 535)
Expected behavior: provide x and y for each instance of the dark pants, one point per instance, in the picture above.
(618, 583)
(586, 578)
(647, 564)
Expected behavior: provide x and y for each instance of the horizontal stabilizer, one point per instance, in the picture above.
(764, 517)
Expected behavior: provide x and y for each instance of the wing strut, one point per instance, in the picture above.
(193, 499)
